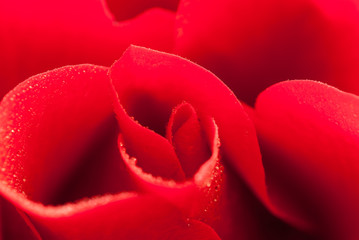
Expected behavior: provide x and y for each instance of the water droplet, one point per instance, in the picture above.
(3, 169)
(188, 223)
(133, 160)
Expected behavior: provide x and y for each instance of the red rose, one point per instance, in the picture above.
(64, 176)
(156, 147)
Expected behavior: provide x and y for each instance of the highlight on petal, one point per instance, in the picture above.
(309, 135)
(252, 44)
(41, 35)
(123, 10)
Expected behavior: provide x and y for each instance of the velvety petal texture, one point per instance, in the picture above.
(36, 36)
(309, 137)
(154, 146)
(251, 44)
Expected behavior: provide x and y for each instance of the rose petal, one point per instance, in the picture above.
(243, 216)
(253, 44)
(196, 198)
(129, 218)
(123, 216)
(49, 124)
(123, 10)
(153, 153)
(185, 134)
(198, 230)
(310, 140)
(13, 225)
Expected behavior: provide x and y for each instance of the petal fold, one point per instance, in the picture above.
(186, 136)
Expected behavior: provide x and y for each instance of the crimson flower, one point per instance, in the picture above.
(157, 147)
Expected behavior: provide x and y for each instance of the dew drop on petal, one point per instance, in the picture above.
(188, 222)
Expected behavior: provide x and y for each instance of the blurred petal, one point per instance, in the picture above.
(253, 44)
(36, 36)
(310, 140)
